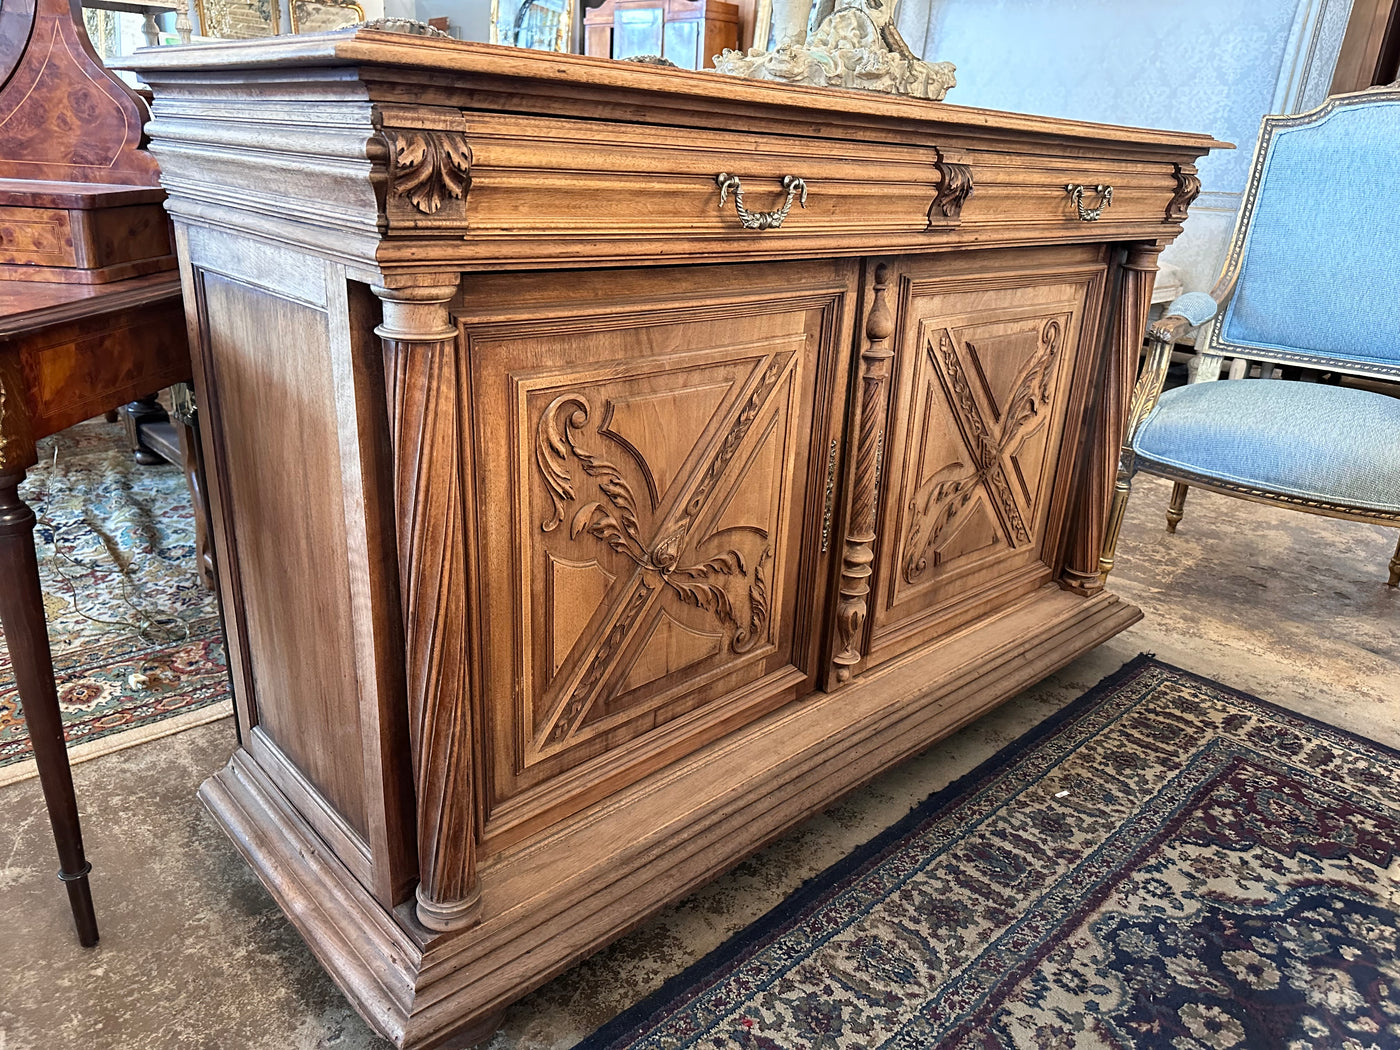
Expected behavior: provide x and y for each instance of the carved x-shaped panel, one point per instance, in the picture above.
(655, 517)
(979, 481)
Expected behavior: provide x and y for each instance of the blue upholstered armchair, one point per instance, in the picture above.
(1312, 279)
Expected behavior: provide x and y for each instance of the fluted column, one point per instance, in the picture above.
(425, 414)
(1090, 511)
(875, 364)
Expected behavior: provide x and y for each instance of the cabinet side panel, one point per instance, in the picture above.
(274, 407)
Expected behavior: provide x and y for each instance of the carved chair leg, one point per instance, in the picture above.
(1177, 507)
(1122, 489)
(1395, 567)
(22, 617)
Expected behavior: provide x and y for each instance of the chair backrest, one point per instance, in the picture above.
(1316, 249)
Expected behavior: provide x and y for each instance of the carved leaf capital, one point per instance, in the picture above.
(1188, 188)
(954, 188)
(428, 167)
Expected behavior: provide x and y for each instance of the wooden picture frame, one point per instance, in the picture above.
(238, 19)
(323, 16)
(540, 25)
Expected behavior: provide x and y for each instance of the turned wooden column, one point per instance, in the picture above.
(1083, 571)
(425, 413)
(875, 364)
(27, 634)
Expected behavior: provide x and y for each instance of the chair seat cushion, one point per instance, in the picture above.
(1304, 440)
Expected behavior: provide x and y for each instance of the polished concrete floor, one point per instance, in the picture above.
(194, 954)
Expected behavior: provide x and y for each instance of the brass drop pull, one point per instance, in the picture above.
(760, 220)
(1076, 194)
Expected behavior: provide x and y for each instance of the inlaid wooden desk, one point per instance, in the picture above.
(67, 352)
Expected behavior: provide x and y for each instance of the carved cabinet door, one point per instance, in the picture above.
(991, 376)
(653, 455)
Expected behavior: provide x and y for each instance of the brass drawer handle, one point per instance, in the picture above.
(760, 220)
(1076, 194)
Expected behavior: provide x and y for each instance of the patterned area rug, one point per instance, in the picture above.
(1166, 863)
(136, 642)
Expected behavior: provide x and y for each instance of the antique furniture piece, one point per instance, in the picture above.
(1305, 286)
(606, 530)
(90, 317)
(689, 33)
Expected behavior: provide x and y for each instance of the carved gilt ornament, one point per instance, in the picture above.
(856, 46)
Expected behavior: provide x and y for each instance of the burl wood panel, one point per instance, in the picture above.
(650, 482)
(77, 369)
(62, 115)
(989, 350)
(36, 236)
(271, 393)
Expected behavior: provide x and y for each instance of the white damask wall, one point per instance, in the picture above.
(1216, 66)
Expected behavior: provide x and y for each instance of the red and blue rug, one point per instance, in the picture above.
(137, 647)
(1166, 863)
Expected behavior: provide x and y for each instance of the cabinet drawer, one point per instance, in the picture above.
(1029, 196)
(36, 237)
(613, 190)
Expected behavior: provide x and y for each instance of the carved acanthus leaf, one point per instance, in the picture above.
(429, 167)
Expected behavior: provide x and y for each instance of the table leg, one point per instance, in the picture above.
(22, 616)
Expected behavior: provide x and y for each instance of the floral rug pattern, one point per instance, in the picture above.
(1166, 863)
(135, 636)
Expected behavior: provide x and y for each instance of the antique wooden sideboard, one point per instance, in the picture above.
(607, 528)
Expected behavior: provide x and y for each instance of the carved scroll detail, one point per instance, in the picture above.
(954, 188)
(856, 568)
(613, 519)
(936, 503)
(1188, 188)
(428, 167)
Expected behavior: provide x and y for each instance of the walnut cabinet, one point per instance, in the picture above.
(612, 465)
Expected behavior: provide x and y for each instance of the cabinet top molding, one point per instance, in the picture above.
(415, 155)
(486, 69)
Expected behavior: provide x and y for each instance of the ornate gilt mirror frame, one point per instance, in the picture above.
(515, 11)
(323, 16)
(238, 19)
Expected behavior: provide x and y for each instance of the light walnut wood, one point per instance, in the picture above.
(603, 566)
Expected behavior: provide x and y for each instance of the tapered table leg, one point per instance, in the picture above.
(26, 631)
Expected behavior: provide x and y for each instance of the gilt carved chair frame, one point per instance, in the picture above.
(1217, 342)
